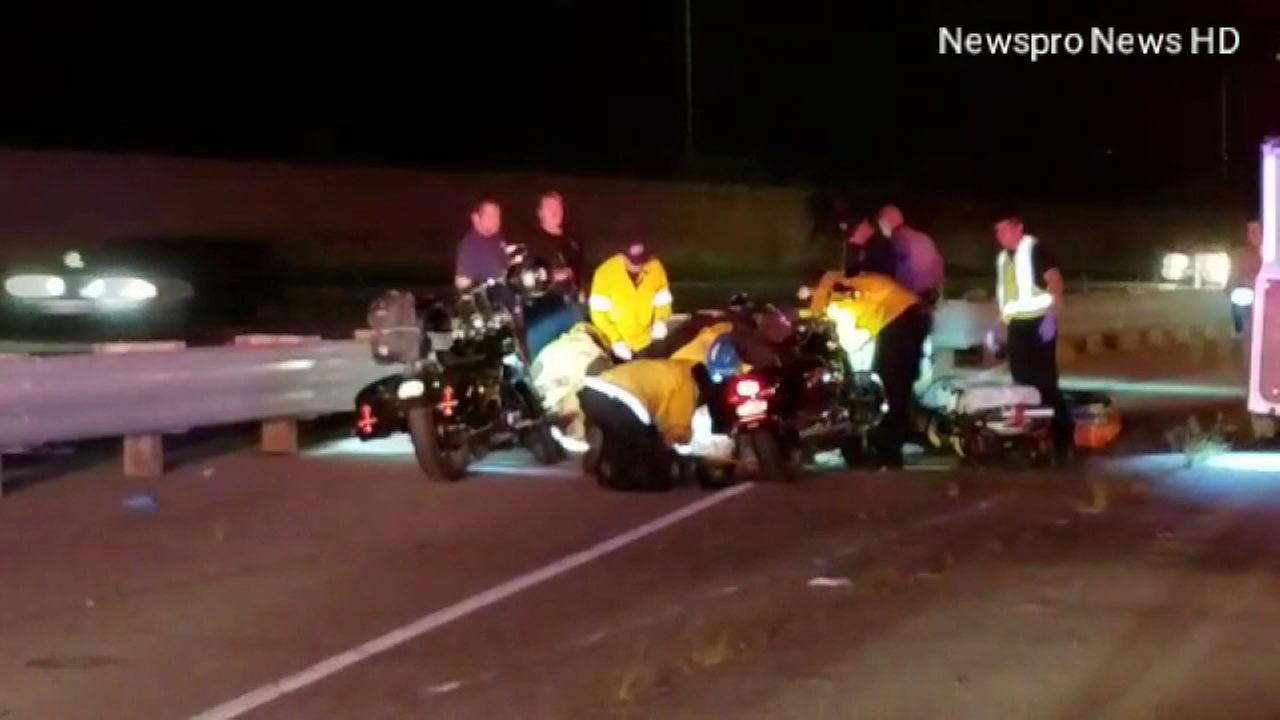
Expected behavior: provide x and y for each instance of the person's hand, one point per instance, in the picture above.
(862, 233)
(621, 351)
(659, 330)
(1049, 327)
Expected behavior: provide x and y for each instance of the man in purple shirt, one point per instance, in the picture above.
(482, 254)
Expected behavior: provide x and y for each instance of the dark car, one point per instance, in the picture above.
(160, 287)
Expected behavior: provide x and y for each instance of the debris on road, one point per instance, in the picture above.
(830, 582)
(443, 688)
(141, 504)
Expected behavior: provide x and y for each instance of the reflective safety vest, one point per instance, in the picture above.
(625, 310)
(1017, 294)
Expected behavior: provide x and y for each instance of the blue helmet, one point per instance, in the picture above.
(723, 360)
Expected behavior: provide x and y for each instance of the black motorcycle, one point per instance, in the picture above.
(809, 402)
(465, 388)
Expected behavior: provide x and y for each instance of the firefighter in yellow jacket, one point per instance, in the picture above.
(631, 301)
(643, 409)
(867, 307)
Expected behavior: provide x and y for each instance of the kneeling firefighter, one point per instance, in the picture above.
(868, 308)
(643, 410)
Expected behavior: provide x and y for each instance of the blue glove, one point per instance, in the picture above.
(1049, 327)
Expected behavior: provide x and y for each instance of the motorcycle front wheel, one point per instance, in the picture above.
(438, 460)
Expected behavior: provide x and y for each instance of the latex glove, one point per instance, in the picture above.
(1049, 327)
(659, 330)
(621, 351)
(992, 342)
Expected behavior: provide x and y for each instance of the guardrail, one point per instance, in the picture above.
(141, 396)
(144, 395)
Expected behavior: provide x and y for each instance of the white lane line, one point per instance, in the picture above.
(323, 669)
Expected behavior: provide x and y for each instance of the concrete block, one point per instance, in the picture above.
(265, 340)
(116, 348)
(280, 436)
(1156, 337)
(1181, 335)
(144, 456)
(1129, 340)
(1095, 343)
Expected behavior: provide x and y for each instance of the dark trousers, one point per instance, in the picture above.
(547, 319)
(633, 456)
(899, 348)
(1034, 362)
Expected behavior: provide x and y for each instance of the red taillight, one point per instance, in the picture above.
(366, 422)
(746, 387)
(447, 403)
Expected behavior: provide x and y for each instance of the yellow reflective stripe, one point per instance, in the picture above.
(662, 297)
(600, 303)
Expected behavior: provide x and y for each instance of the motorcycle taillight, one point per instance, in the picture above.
(366, 421)
(447, 403)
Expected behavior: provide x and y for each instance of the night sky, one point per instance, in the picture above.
(796, 90)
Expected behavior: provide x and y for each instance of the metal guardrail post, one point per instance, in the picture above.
(278, 436)
(143, 455)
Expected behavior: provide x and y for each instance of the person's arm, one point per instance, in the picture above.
(676, 424)
(464, 274)
(663, 299)
(1046, 268)
(601, 308)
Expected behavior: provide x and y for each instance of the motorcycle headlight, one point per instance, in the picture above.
(410, 389)
(35, 287)
(528, 279)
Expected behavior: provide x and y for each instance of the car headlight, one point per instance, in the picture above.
(1175, 266)
(34, 286)
(1214, 268)
(130, 289)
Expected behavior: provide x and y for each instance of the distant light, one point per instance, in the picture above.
(296, 364)
(35, 286)
(1268, 462)
(1242, 296)
(94, 289)
(1214, 268)
(1175, 266)
(73, 260)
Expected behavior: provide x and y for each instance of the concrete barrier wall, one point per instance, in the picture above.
(1097, 322)
(351, 217)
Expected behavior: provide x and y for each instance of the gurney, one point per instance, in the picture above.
(981, 420)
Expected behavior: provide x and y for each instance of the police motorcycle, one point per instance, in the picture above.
(812, 400)
(464, 388)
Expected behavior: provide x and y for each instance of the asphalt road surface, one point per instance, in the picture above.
(341, 584)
